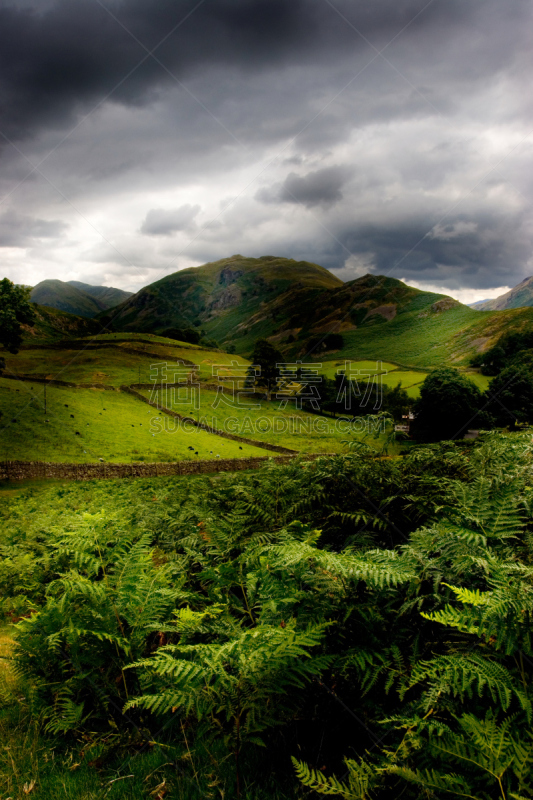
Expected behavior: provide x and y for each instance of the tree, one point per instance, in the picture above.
(15, 311)
(511, 393)
(448, 404)
(182, 335)
(396, 401)
(266, 356)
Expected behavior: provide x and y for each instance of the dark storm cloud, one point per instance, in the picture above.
(56, 63)
(164, 222)
(319, 188)
(417, 100)
(480, 250)
(17, 230)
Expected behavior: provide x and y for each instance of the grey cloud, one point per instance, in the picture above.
(289, 85)
(164, 222)
(59, 58)
(17, 230)
(471, 251)
(319, 188)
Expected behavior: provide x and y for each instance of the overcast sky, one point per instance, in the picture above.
(386, 136)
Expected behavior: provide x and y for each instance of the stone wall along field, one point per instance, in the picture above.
(41, 470)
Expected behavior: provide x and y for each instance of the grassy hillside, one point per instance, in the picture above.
(51, 325)
(115, 426)
(84, 425)
(427, 340)
(106, 296)
(289, 427)
(128, 360)
(298, 305)
(77, 298)
(221, 296)
(64, 297)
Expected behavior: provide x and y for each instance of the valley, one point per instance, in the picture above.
(214, 509)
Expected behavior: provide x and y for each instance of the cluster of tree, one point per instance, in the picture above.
(189, 335)
(380, 609)
(267, 357)
(509, 348)
(341, 396)
(338, 396)
(450, 403)
(15, 310)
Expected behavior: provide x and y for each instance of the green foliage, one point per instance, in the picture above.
(508, 349)
(94, 621)
(361, 779)
(449, 402)
(511, 392)
(266, 356)
(377, 608)
(15, 310)
(182, 335)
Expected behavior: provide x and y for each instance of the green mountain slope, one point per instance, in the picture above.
(222, 296)
(298, 305)
(53, 325)
(60, 295)
(519, 297)
(77, 298)
(107, 296)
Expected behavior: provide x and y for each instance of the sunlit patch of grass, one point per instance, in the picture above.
(84, 425)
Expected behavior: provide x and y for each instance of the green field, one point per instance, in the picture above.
(117, 366)
(121, 432)
(112, 425)
(289, 427)
(331, 368)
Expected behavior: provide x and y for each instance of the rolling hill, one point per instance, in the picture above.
(298, 305)
(307, 312)
(77, 298)
(53, 325)
(107, 296)
(521, 296)
(238, 300)
(222, 297)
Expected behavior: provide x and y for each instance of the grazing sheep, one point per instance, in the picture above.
(72, 416)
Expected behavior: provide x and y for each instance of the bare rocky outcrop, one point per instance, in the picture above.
(229, 275)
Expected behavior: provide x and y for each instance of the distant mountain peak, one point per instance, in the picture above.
(77, 298)
(520, 296)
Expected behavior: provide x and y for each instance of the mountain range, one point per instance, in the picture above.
(301, 307)
(238, 300)
(77, 298)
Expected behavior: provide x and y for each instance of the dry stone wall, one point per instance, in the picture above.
(40, 470)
